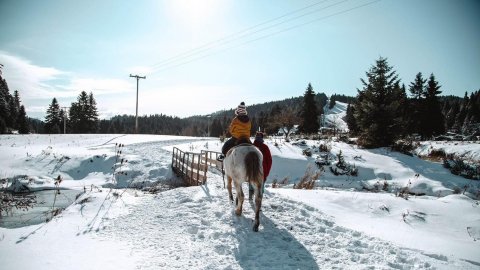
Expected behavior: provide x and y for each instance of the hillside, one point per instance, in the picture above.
(335, 117)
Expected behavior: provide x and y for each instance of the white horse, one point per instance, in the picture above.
(243, 163)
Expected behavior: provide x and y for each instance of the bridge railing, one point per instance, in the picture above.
(192, 167)
(189, 166)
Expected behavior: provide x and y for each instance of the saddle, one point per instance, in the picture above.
(238, 142)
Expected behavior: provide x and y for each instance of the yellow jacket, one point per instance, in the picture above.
(240, 129)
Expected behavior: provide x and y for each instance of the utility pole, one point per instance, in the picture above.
(136, 110)
(65, 119)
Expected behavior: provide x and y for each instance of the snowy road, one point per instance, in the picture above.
(196, 228)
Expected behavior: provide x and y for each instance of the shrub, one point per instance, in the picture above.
(322, 160)
(344, 138)
(461, 167)
(307, 152)
(324, 148)
(15, 193)
(341, 167)
(404, 146)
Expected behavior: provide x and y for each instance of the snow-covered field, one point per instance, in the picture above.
(334, 226)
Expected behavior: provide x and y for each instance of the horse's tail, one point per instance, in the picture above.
(254, 168)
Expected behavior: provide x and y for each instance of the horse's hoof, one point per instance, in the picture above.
(255, 228)
(238, 212)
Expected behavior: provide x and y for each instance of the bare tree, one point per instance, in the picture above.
(286, 119)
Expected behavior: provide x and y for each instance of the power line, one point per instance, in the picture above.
(248, 33)
(266, 36)
(202, 47)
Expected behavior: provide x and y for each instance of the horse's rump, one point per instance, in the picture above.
(244, 163)
(254, 172)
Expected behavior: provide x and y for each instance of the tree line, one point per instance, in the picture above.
(12, 113)
(383, 112)
(82, 116)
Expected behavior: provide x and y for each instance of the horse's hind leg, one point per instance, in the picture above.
(240, 196)
(229, 187)
(258, 205)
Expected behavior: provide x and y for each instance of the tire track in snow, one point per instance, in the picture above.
(196, 228)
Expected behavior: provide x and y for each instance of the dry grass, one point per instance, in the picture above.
(308, 179)
(278, 184)
(436, 155)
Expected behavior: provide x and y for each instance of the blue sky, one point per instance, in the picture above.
(59, 48)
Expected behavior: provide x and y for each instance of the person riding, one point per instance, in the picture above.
(267, 161)
(239, 130)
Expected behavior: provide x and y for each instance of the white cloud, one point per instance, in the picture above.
(38, 85)
(100, 86)
(29, 79)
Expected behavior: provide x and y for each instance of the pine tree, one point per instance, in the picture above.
(462, 114)
(4, 101)
(401, 121)
(22, 121)
(472, 117)
(52, 118)
(417, 87)
(341, 160)
(451, 115)
(309, 112)
(332, 103)
(83, 114)
(92, 114)
(435, 123)
(13, 110)
(351, 121)
(376, 107)
(416, 117)
(9, 108)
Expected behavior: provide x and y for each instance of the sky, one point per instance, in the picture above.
(204, 56)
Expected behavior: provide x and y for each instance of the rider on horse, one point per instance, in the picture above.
(239, 129)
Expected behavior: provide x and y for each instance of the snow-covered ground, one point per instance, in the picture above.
(463, 149)
(334, 226)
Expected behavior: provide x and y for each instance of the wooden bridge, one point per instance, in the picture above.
(192, 167)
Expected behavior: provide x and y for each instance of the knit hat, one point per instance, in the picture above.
(241, 109)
